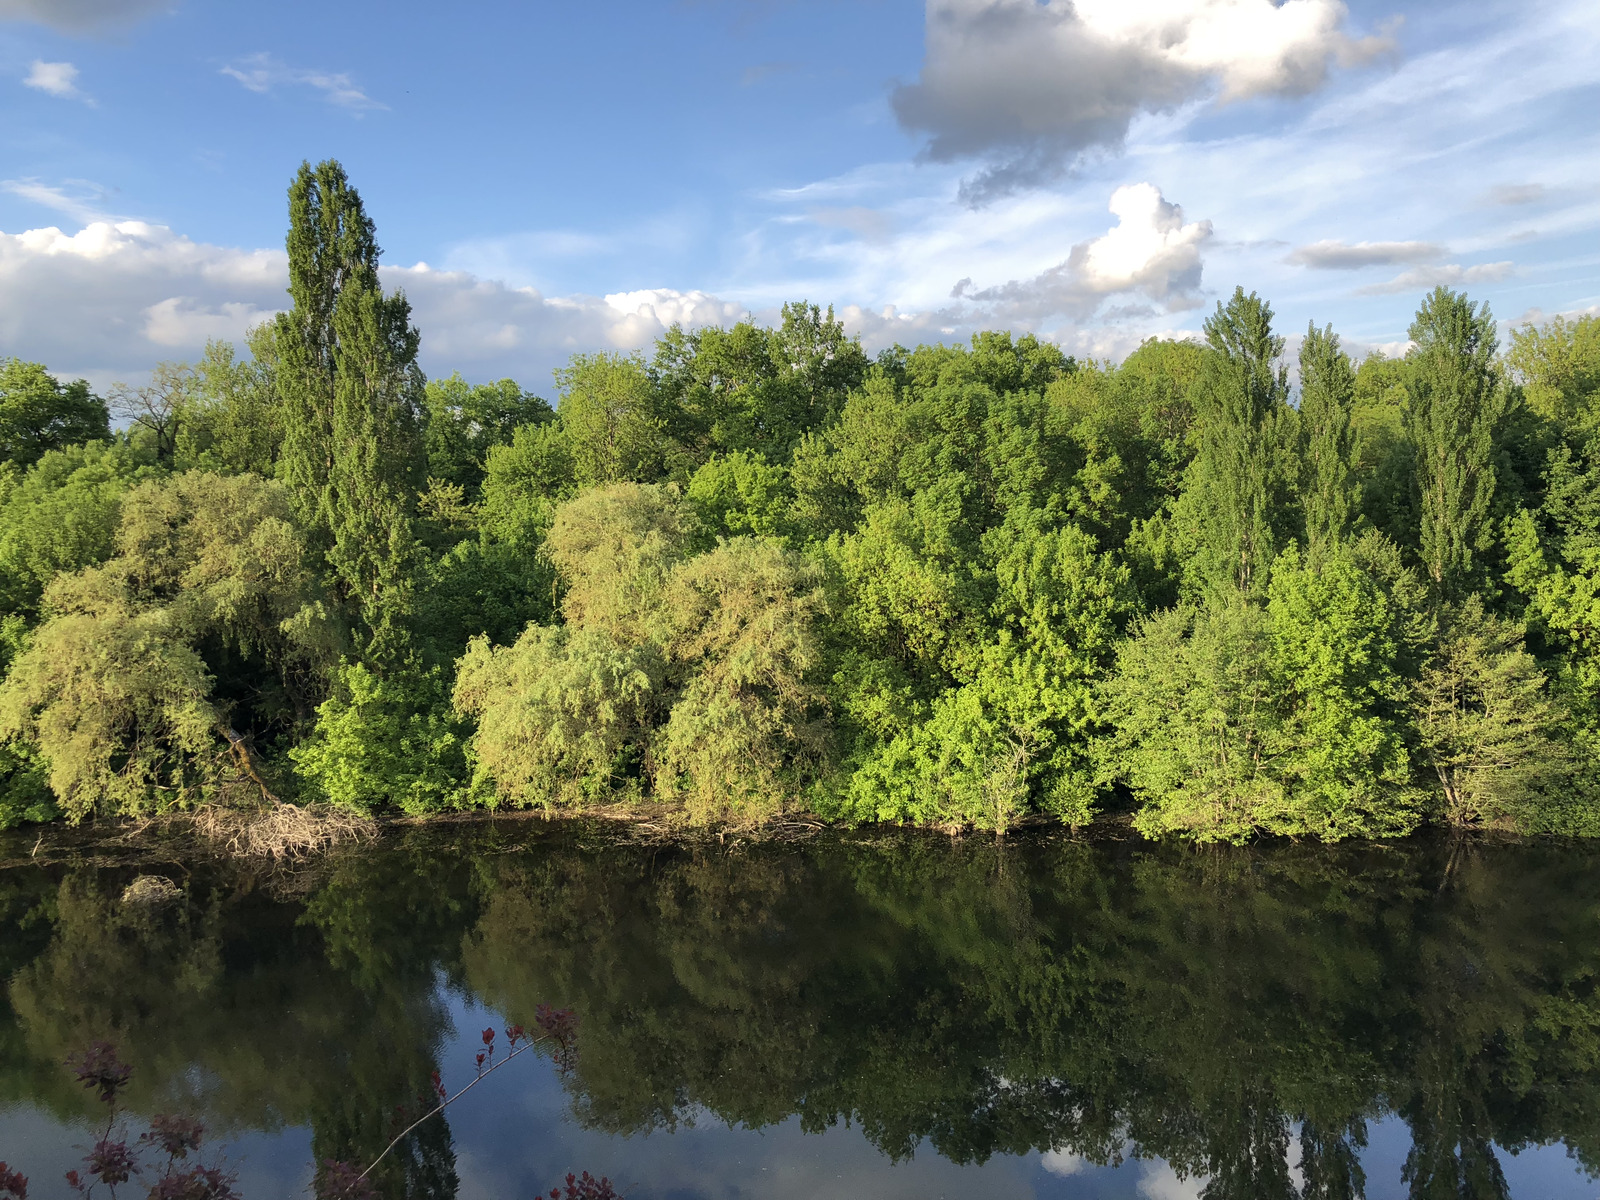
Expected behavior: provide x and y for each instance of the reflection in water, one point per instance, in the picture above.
(1247, 1017)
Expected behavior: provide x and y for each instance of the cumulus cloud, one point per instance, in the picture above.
(263, 72)
(116, 297)
(80, 16)
(57, 79)
(1449, 274)
(1151, 253)
(1343, 256)
(1028, 86)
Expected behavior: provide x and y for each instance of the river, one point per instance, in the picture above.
(841, 1015)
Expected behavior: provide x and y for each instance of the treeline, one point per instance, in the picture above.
(761, 571)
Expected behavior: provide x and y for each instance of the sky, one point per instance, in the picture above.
(552, 178)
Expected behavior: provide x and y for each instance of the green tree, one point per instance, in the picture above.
(351, 392)
(1488, 727)
(610, 415)
(383, 741)
(1327, 395)
(1456, 403)
(746, 734)
(465, 422)
(562, 715)
(38, 413)
(1236, 487)
(204, 624)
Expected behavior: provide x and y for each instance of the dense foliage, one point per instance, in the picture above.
(759, 571)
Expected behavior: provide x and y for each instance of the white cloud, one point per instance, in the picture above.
(112, 299)
(1328, 255)
(83, 206)
(1161, 1182)
(56, 78)
(1150, 252)
(1064, 1162)
(1420, 279)
(80, 16)
(1028, 87)
(263, 72)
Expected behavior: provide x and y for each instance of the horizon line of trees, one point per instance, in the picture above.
(760, 571)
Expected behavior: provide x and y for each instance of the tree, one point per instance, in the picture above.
(1327, 395)
(39, 414)
(746, 733)
(1455, 406)
(160, 409)
(562, 715)
(351, 391)
(205, 622)
(465, 422)
(611, 419)
(1487, 725)
(1236, 482)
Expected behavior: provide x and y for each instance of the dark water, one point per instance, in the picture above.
(899, 1016)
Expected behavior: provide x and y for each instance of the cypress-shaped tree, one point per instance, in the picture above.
(1243, 411)
(1456, 403)
(351, 391)
(1327, 395)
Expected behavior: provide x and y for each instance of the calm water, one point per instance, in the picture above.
(899, 1016)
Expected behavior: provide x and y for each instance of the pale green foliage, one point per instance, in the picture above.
(386, 740)
(560, 714)
(113, 688)
(1235, 719)
(745, 732)
(719, 646)
(1558, 365)
(1455, 407)
(609, 415)
(1487, 726)
(614, 547)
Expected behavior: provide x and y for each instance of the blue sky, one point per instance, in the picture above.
(556, 177)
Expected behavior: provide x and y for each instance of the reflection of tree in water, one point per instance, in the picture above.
(228, 1004)
(1238, 1013)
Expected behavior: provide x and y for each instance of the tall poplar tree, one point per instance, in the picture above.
(1243, 408)
(351, 389)
(1456, 404)
(1327, 396)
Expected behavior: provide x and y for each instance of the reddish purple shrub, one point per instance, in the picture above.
(176, 1136)
(197, 1183)
(585, 1187)
(343, 1181)
(98, 1067)
(13, 1184)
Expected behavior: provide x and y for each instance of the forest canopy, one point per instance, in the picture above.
(1222, 588)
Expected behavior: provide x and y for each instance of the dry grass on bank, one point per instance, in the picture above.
(280, 830)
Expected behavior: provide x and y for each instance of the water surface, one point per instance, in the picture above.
(845, 1016)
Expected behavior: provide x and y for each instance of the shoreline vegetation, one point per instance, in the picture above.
(760, 576)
